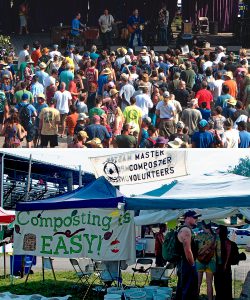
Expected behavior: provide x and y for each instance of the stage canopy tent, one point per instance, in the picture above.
(216, 195)
(98, 194)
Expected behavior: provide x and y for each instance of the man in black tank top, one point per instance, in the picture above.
(187, 287)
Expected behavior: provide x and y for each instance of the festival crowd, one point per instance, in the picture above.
(119, 99)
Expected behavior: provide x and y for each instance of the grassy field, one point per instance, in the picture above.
(66, 285)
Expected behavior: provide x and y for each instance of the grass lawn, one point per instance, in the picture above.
(65, 285)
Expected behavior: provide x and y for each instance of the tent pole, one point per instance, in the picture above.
(2, 175)
(28, 182)
(80, 176)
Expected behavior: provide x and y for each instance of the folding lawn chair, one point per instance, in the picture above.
(83, 276)
(142, 266)
(161, 274)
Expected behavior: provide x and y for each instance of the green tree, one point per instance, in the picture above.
(243, 168)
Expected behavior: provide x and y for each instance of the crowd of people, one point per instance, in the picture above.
(120, 99)
(208, 250)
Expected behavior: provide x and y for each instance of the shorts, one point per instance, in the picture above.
(51, 139)
(1, 117)
(31, 132)
(63, 118)
(209, 268)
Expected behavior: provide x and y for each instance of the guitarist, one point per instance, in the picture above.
(106, 21)
(134, 23)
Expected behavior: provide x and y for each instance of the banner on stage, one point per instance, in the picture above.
(140, 166)
(100, 234)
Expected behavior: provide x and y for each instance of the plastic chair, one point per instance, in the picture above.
(203, 24)
(83, 276)
(162, 273)
(142, 266)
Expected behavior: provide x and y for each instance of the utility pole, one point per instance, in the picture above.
(28, 181)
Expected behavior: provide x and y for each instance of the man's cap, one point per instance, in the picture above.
(176, 143)
(113, 92)
(55, 46)
(221, 48)
(111, 84)
(161, 140)
(83, 134)
(130, 51)
(86, 55)
(191, 213)
(41, 95)
(25, 97)
(42, 65)
(82, 116)
(166, 94)
(147, 120)
(203, 123)
(180, 124)
(143, 51)
(72, 46)
(95, 142)
(122, 51)
(96, 118)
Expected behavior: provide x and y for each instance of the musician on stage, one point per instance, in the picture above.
(134, 26)
(75, 30)
(163, 20)
(106, 21)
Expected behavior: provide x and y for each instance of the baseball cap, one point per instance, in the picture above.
(147, 120)
(180, 124)
(82, 116)
(203, 123)
(86, 54)
(83, 134)
(25, 97)
(41, 95)
(191, 213)
(166, 94)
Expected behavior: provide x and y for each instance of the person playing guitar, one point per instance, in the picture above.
(135, 27)
(106, 21)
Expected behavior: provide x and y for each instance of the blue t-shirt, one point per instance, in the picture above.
(206, 113)
(39, 108)
(222, 100)
(144, 137)
(244, 139)
(164, 66)
(97, 131)
(76, 25)
(103, 79)
(203, 139)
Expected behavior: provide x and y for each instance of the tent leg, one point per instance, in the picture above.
(27, 277)
(4, 261)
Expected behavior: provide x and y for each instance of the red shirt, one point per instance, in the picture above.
(73, 89)
(204, 96)
(71, 122)
(232, 87)
(35, 55)
(159, 239)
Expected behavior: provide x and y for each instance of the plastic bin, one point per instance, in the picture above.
(18, 261)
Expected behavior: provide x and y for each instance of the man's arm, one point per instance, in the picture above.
(185, 237)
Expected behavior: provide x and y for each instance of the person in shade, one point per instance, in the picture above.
(244, 135)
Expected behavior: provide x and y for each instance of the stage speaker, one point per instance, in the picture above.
(138, 49)
(160, 49)
(185, 39)
(213, 28)
(115, 47)
(233, 48)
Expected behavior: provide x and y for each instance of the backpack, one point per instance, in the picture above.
(205, 254)
(24, 116)
(170, 247)
(11, 137)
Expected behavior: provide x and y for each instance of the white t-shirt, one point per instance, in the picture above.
(144, 102)
(217, 88)
(48, 81)
(106, 22)
(166, 111)
(62, 101)
(231, 138)
(219, 56)
(21, 57)
(55, 52)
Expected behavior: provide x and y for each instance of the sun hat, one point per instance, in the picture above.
(83, 134)
(42, 65)
(221, 48)
(122, 51)
(147, 120)
(113, 92)
(232, 101)
(176, 143)
(180, 124)
(229, 74)
(95, 142)
(161, 140)
(106, 71)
